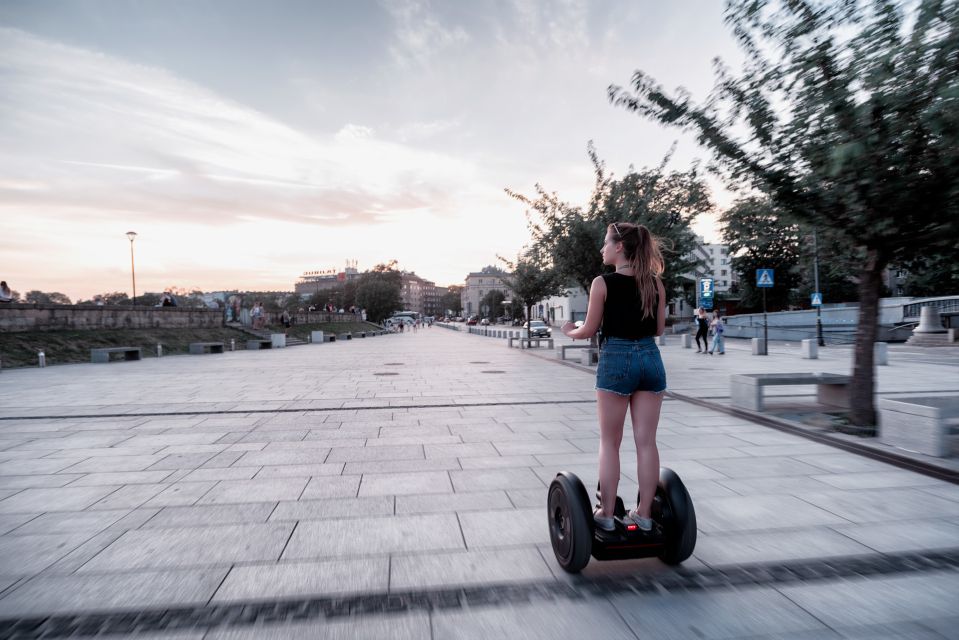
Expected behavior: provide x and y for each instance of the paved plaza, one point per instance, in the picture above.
(395, 487)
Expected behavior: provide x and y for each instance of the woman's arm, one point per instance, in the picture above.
(661, 312)
(594, 312)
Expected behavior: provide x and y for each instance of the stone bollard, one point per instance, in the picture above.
(759, 347)
(880, 351)
(278, 340)
(159, 350)
(810, 349)
(42, 357)
(687, 341)
(661, 340)
(232, 344)
(316, 337)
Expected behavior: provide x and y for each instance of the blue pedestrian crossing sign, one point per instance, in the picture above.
(816, 299)
(764, 278)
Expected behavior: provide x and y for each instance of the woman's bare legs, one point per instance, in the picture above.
(644, 409)
(612, 413)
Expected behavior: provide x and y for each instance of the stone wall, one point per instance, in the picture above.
(57, 317)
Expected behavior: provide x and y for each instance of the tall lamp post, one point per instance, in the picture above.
(133, 274)
(815, 244)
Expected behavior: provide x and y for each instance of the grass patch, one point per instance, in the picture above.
(65, 347)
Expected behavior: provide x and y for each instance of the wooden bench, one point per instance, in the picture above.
(925, 424)
(199, 348)
(259, 344)
(747, 389)
(566, 347)
(529, 342)
(103, 354)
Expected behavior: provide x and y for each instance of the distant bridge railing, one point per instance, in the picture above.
(943, 305)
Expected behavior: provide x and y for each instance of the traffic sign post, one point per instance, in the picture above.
(764, 280)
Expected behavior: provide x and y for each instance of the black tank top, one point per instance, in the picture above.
(623, 313)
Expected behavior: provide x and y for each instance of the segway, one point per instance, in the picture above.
(575, 537)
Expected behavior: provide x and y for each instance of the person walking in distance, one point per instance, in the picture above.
(629, 304)
(702, 330)
(718, 327)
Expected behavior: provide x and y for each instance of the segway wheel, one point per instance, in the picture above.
(570, 522)
(673, 509)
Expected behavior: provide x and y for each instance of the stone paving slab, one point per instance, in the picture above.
(192, 546)
(277, 495)
(266, 582)
(105, 592)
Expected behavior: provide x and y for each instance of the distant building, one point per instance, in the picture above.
(419, 294)
(480, 283)
(315, 281)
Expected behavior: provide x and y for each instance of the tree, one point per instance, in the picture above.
(759, 237)
(451, 301)
(39, 297)
(933, 275)
(854, 128)
(531, 282)
(114, 298)
(492, 302)
(568, 239)
(378, 291)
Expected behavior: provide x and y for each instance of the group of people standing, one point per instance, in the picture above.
(703, 326)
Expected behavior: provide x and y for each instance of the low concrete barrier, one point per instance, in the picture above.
(810, 349)
(925, 424)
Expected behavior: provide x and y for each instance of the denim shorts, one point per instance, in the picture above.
(627, 366)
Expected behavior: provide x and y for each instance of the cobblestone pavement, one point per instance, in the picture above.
(395, 487)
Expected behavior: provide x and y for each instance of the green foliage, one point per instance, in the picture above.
(39, 297)
(760, 238)
(493, 303)
(451, 301)
(531, 282)
(115, 297)
(378, 291)
(935, 275)
(569, 239)
(853, 128)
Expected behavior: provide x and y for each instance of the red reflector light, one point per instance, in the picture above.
(631, 527)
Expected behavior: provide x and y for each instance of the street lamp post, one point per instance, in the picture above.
(815, 245)
(133, 274)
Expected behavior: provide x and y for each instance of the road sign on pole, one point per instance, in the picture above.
(816, 299)
(764, 278)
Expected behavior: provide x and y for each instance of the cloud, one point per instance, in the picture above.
(81, 131)
(419, 36)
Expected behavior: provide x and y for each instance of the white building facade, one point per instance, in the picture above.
(480, 283)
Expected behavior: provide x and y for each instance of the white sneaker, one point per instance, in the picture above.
(606, 524)
(644, 524)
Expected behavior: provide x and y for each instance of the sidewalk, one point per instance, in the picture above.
(395, 487)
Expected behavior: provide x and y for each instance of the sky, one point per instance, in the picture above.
(246, 142)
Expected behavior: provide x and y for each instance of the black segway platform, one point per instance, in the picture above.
(575, 537)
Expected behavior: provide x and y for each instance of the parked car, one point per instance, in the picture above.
(539, 329)
(484, 322)
(471, 321)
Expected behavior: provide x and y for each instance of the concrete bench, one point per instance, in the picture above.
(529, 342)
(589, 357)
(747, 389)
(199, 348)
(259, 344)
(103, 354)
(925, 424)
(345, 336)
(566, 347)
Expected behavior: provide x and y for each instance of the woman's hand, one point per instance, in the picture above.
(568, 328)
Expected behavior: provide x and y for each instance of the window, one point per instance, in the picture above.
(723, 272)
